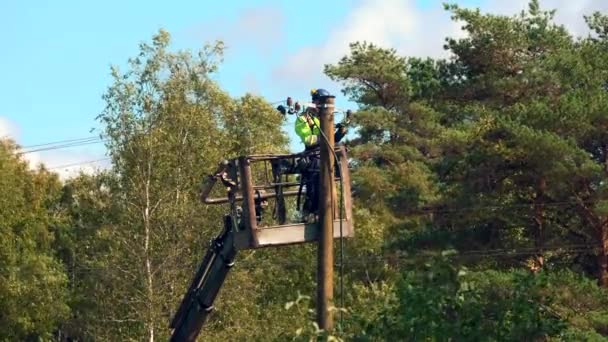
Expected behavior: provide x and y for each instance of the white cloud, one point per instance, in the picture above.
(8, 129)
(569, 12)
(410, 30)
(390, 23)
(257, 28)
(59, 157)
(69, 162)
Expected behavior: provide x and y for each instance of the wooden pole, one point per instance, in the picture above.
(325, 258)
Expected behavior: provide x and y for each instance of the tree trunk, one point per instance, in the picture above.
(539, 223)
(606, 158)
(600, 228)
(148, 261)
(602, 258)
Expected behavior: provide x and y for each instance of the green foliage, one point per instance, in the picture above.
(598, 22)
(141, 227)
(310, 331)
(500, 147)
(534, 144)
(442, 302)
(33, 291)
(384, 84)
(499, 152)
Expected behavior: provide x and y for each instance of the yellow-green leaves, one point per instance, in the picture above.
(33, 283)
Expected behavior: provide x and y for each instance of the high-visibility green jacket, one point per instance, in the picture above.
(308, 133)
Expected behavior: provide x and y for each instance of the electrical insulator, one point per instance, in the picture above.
(282, 109)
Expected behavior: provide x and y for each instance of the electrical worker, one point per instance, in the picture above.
(308, 128)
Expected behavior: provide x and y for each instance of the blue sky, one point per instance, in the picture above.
(54, 66)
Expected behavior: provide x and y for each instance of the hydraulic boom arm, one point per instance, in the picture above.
(198, 301)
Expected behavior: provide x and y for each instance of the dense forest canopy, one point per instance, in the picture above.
(479, 182)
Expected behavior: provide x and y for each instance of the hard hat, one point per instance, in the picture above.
(318, 93)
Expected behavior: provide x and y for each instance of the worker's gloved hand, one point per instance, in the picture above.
(343, 125)
(342, 128)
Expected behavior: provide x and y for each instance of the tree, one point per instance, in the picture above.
(83, 243)
(396, 144)
(167, 125)
(32, 281)
(535, 100)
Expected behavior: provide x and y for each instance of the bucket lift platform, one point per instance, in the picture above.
(248, 186)
(253, 184)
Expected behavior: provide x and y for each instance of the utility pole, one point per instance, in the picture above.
(325, 257)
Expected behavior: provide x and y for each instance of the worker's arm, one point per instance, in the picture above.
(342, 127)
(304, 132)
(341, 131)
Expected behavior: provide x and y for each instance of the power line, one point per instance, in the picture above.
(76, 142)
(57, 147)
(493, 207)
(79, 163)
(91, 138)
(399, 259)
